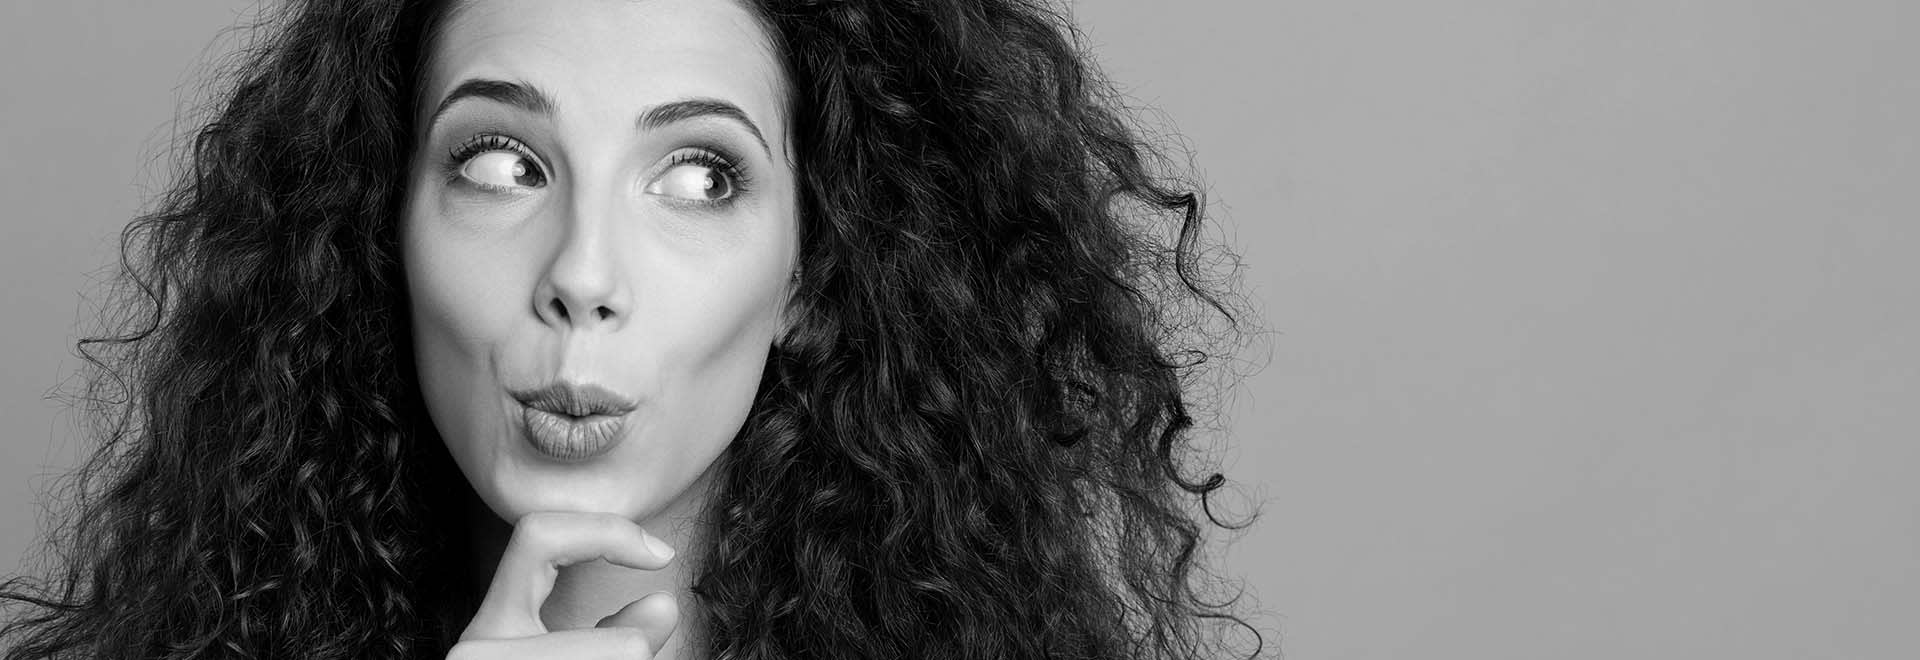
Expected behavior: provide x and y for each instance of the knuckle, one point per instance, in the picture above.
(464, 651)
(538, 529)
(488, 623)
(536, 524)
(630, 643)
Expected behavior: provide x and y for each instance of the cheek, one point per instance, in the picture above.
(463, 278)
(723, 333)
(718, 328)
(460, 311)
(455, 299)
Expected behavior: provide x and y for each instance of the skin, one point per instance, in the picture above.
(592, 258)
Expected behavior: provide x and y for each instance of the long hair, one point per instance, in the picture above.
(973, 442)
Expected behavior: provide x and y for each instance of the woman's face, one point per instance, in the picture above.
(601, 199)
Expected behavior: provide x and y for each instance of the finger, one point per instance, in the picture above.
(585, 644)
(657, 614)
(542, 542)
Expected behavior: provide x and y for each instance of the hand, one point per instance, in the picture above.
(508, 623)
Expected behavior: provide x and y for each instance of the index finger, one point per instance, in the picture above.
(542, 542)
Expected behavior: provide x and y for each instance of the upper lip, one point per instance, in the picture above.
(576, 399)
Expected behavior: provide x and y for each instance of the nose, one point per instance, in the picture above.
(583, 287)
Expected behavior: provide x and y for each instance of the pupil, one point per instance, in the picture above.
(524, 175)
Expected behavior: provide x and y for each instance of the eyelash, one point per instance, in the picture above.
(721, 162)
(479, 144)
(716, 159)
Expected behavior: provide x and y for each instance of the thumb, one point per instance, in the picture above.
(656, 615)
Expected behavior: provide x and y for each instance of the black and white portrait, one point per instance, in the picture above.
(959, 329)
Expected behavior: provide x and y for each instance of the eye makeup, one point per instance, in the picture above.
(464, 152)
(727, 175)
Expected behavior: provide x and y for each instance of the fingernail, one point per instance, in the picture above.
(658, 546)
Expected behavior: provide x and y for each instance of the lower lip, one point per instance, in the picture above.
(570, 439)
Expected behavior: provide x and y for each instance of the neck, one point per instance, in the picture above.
(584, 593)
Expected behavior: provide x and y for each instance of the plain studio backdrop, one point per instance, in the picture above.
(1592, 324)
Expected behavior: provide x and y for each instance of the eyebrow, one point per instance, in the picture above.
(517, 94)
(529, 98)
(695, 108)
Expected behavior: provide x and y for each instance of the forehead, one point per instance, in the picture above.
(605, 60)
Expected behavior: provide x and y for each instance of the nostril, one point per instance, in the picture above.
(603, 312)
(559, 308)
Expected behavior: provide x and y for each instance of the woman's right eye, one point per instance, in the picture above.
(502, 169)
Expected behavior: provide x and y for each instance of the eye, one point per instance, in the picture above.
(503, 169)
(697, 177)
(497, 162)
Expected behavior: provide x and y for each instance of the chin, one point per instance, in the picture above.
(632, 484)
(514, 492)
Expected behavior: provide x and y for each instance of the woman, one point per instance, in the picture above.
(671, 328)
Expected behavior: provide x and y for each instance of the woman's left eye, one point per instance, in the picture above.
(698, 180)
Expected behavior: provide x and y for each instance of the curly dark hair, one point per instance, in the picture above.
(972, 443)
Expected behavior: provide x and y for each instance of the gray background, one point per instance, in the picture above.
(1594, 324)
